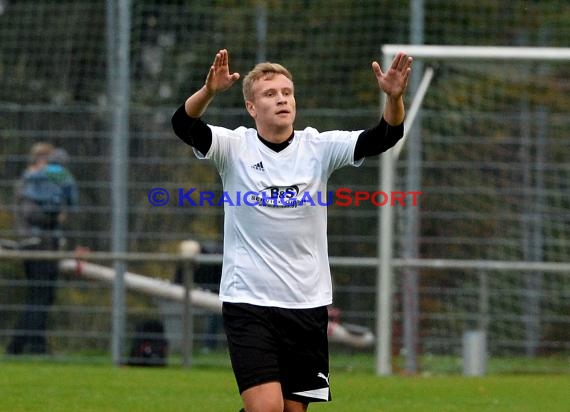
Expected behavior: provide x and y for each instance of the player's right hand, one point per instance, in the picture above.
(219, 77)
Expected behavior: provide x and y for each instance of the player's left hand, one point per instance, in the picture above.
(394, 81)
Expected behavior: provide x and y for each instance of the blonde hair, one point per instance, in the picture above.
(262, 70)
(40, 151)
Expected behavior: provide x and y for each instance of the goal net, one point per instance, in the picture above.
(489, 151)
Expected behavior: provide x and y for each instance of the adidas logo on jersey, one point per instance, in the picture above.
(258, 166)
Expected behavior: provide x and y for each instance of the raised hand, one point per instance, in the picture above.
(395, 80)
(219, 77)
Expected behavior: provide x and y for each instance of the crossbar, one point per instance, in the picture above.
(479, 52)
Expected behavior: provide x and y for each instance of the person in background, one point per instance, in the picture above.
(45, 194)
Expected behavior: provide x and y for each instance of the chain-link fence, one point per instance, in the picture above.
(493, 173)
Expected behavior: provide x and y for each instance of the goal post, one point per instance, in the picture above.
(386, 216)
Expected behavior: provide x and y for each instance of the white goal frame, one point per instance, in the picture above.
(387, 263)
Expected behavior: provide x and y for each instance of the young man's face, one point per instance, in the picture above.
(273, 105)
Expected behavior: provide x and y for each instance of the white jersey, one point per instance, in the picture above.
(275, 227)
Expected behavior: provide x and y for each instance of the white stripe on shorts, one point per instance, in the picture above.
(322, 393)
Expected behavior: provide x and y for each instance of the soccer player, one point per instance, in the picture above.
(276, 281)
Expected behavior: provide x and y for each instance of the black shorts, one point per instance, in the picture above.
(289, 346)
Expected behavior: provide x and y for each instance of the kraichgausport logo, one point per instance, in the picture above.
(280, 197)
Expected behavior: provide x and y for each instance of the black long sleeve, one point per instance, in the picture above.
(193, 132)
(378, 139)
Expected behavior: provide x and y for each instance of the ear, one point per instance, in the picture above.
(250, 108)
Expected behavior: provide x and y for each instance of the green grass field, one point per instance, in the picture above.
(44, 386)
